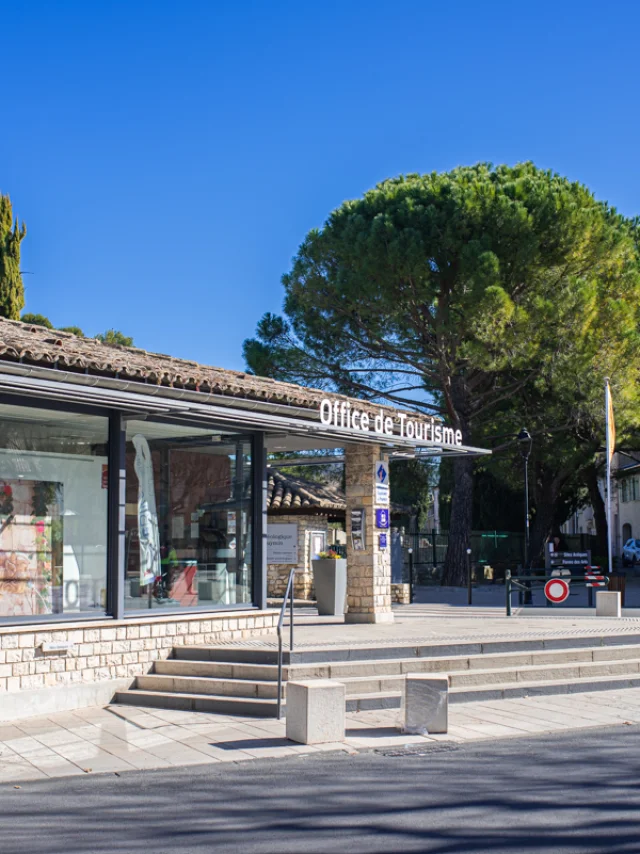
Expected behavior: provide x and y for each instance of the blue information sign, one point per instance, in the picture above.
(383, 541)
(382, 518)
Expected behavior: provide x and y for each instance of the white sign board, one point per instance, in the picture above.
(282, 543)
(382, 494)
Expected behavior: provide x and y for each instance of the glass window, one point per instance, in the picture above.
(53, 512)
(188, 517)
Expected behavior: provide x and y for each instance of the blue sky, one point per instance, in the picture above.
(168, 158)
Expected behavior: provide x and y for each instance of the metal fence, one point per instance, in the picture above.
(497, 549)
(500, 550)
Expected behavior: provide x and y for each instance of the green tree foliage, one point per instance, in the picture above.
(75, 330)
(453, 293)
(11, 286)
(37, 320)
(113, 336)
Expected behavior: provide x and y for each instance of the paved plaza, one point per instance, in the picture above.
(117, 739)
(449, 621)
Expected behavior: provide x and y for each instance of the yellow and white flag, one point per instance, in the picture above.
(611, 424)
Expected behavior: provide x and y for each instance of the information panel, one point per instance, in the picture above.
(282, 543)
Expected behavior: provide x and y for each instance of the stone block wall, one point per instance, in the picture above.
(368, 570)
(401, 594)
(110, 650)
(278, 573)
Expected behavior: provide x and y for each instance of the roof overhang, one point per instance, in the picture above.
(274, 419)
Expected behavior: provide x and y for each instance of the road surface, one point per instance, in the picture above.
(575, 792)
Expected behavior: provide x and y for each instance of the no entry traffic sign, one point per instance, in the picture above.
(556, 590)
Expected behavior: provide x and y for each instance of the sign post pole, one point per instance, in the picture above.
(411, 576)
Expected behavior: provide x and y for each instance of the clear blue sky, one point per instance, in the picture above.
(169, 157)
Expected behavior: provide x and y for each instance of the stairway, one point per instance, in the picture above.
(243, 680)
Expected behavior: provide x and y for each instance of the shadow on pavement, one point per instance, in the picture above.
(550, 794)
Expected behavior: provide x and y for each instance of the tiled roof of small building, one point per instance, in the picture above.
(22, 342)
(286, 493)
(289, 494)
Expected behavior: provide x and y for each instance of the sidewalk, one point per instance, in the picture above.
(449, 621)
(117, 739)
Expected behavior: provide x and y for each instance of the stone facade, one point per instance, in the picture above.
(368, 570)
(105, 652)
(278, 573)
(401, 594)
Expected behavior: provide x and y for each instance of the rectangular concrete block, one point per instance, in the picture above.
(608, 603)
(316, 711)
(425, 703)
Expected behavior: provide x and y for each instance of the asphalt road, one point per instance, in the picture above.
(575, 792)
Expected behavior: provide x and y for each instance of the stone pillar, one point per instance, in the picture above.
(369, 570)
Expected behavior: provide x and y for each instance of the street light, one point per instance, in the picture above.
(525, 440)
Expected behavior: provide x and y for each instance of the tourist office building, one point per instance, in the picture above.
(133, 507)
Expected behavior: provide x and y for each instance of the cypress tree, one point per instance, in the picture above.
(11, 287)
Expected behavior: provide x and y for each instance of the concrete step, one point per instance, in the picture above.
(476, 677)
(394, 667)
(345, 670)
(238, 654)
(249, 688)
(221, 705)
(499, 691)
(219, 669)
(328, 655)
(243, 680)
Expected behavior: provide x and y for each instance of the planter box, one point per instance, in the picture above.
(330, 581)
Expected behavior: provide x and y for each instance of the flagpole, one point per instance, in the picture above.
(607, 409)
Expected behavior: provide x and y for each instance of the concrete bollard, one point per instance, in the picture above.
(316, 711)
(425, 703)
(608, 603)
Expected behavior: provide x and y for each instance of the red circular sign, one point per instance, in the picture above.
(556, 590)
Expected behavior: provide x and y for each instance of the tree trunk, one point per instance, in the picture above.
(546, 493)
(455, 564)
(599, 512)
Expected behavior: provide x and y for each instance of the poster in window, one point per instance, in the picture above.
(358, 528)
(31, 540)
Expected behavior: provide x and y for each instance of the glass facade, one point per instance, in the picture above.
(53, 512)
(188, 517)
(186, 507)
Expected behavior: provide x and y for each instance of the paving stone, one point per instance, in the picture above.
(54, 766)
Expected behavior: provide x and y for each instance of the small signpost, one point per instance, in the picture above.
(594, 577)
(382, 518)
(381, 481)
(578, 559)
(556, 590)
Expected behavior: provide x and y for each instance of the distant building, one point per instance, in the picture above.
(625, 504)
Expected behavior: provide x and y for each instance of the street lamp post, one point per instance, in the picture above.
(525, 440)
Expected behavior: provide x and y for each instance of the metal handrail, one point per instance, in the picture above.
(287, 595)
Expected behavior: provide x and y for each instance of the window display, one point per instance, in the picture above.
(53, 512)
(188, 517)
